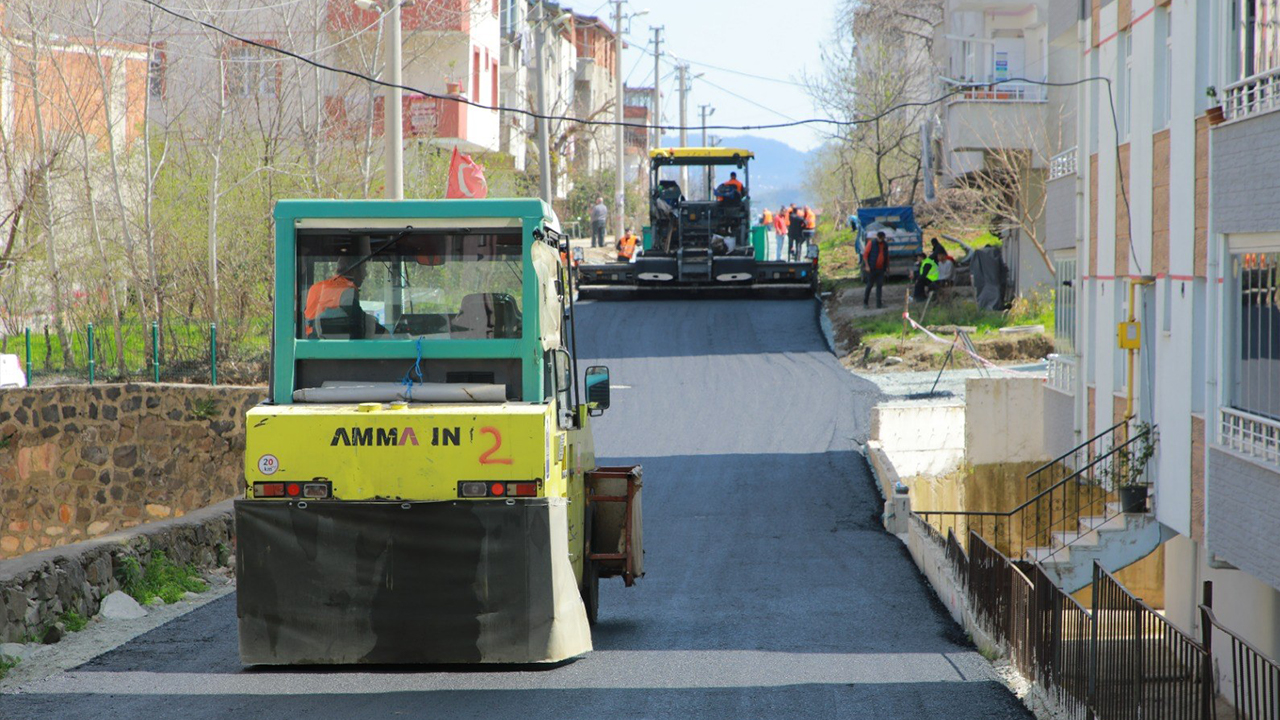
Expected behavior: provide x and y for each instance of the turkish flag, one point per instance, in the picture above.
(466, 178)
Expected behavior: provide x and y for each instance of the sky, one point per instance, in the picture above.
(746, 36)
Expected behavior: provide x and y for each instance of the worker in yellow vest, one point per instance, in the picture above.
(926, 276)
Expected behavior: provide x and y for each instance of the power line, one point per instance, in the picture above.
(743, 74)
(608, 123)
(749, 100)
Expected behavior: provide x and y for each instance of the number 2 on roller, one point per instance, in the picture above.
(486, 457)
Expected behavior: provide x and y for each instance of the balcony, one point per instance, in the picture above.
(1061, 373)
(1063, 164)
(1250, 435)
(1254, 95)
(999, 92)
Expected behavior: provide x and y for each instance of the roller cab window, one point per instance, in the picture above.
(393, 284)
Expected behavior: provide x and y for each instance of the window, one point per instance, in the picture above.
(1255, 386)
(1259, 37)
(155, 71)
(439, 285)
(1064, 310)
(1164, 68)
(251, 71)
(475, 75)
(493, 81)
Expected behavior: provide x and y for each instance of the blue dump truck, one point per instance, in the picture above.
(905, 237)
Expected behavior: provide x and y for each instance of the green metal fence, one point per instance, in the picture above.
(177, 351)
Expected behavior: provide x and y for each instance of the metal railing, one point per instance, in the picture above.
(1255, 678)
(1249, 434)
(1063, 164)
(181, 350)
(1001, 92)
(1253, 95)
(1144, 666)
(1062, 496)
(1118, 660)
(1063, 633)
(1061, 374)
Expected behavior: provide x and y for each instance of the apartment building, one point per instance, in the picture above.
(995, 129)
(514, 86)
(1170, 198)
(595, 91)
(56, 90)
(637, 108)
(450, 47)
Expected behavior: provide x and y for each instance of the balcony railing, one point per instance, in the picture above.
(1061, 373)
(994, 91)
(1250, 435)
(1062, 164)
(1254, 95)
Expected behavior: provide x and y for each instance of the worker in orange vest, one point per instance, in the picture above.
(341, 291)
(767, 218)
(627, 246)
(810, 225)
(736, 184)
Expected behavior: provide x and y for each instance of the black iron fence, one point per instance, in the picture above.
(1117, 660)
(1062, 631)
(1254, 678)
(1145, 667)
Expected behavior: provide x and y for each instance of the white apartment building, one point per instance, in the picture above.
(1177, 201)
(449, 47)
(994, 121)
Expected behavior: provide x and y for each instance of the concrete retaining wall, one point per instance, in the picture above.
(1004, 420)
(920, 439)
(38, 587)
(81, 461)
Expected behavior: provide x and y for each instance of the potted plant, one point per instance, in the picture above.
(1129, 468)
(1214, 113)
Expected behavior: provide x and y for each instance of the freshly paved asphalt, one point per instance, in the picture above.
(772, 591)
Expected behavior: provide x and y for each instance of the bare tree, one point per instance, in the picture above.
(1008, 189)
(878, 76)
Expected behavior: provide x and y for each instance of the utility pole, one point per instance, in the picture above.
(706, 111)
(544, 143)
(394, 129)
(683, 70)
(657, 92)
(619, 190)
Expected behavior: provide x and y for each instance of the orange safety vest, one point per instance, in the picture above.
(735, 183)
(325, 295)
(810, 220)
(767, 219)
(627, 246)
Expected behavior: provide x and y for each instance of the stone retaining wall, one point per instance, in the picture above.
(81, 461)
(38, 587)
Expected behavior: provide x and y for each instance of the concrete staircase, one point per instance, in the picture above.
(1116, 539)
